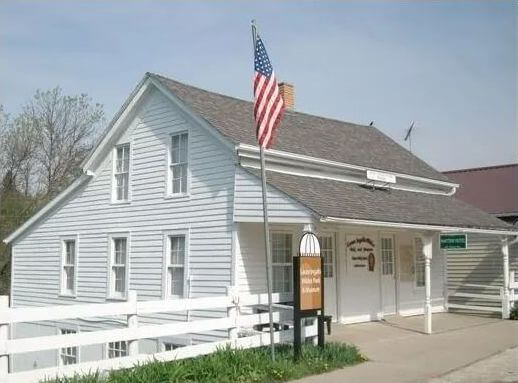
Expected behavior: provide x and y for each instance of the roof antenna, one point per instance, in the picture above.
(408, 136)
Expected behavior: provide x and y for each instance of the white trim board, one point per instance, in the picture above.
(49, 207)
(350, 319)
(326, 175)
(250, 151)
(108, 140)
(124, 115)
(402, 226)
(189, 114)
(420, 311)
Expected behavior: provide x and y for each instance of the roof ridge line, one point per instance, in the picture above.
(295, 112)
(466, 170)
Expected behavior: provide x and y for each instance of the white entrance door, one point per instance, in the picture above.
(388, 274)
(327, 250)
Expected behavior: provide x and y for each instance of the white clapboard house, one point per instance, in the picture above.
(169, 204)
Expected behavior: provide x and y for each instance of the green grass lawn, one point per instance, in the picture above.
(236, 366)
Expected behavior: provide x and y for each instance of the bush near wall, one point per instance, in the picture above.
(236, 366)
(15, 209)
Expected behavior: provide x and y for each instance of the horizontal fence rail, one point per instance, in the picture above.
(32, 314)
(489, 293)
(180, 353)
(232, 321)
(496, 296)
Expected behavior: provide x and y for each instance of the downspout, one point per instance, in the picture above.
(452, 191)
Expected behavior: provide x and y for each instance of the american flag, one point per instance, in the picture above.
(269, 105)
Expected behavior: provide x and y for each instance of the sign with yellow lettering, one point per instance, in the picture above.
(308, 288)
(310, 283)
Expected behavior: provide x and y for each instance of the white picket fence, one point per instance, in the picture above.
(498, 295)
(236, 318)
(513, 287)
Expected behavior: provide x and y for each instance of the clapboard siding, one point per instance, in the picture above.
(481, 263)
(248, 205)
(250, 259)
(90, 214)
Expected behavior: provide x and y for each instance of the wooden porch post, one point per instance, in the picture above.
(427, 252)
(505, 296)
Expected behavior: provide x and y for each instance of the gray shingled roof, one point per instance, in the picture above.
(303, 133)
(329, 198)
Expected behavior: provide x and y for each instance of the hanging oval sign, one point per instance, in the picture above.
(309, 245)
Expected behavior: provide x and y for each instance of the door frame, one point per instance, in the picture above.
(395, 266)
(335, 235)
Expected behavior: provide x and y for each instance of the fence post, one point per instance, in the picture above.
(132, 320)
(505, 292)
(232, 311)
(4, 336)
(512, 286)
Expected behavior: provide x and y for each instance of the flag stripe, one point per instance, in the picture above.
(270, 133)
(263, 96)
(270, 118)
(269, 105)
(267, 102)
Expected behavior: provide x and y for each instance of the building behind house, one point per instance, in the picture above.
(493, 189)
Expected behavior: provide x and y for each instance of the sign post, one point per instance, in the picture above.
(268, 262)
(308, 283)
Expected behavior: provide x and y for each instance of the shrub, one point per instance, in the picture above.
(237, 366)
(514, 312)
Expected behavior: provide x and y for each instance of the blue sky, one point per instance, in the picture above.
(449, 66)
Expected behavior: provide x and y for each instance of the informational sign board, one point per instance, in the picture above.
(361, 254)
(310, 283)
(381, 176)
(453, 241)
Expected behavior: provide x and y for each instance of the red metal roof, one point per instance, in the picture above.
(493, 189)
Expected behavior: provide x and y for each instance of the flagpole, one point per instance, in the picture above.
(266, 230)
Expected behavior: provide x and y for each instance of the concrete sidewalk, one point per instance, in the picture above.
(500, 368)
(398, 352)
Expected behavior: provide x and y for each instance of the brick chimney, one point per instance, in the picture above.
(287, 94)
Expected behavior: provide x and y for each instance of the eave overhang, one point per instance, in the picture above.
(417, 226)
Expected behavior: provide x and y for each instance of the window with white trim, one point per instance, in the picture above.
(387, 256)
(419, 263)
(119, 266)
(176, 255)
(68, 355)
(179, 165)
(121, 172)
(327, 251)
(117, 349)
(172, 343)
(69, 265)
(172, 346)
(282, 266)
